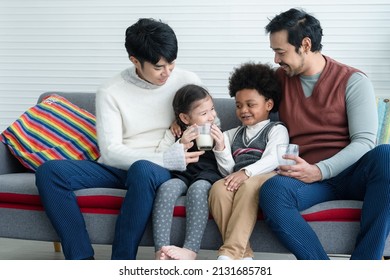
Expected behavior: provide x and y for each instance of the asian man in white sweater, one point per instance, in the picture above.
(133, 110)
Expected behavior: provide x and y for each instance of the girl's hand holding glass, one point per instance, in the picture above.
(218, 137)
(189, 134)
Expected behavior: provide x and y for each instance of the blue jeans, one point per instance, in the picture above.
(58, 179)
(368, 180)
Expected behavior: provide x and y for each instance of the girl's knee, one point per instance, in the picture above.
(199, 188)
(170, 187)
(174, 183)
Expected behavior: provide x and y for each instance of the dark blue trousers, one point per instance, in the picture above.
(281, 198)
(58, 179)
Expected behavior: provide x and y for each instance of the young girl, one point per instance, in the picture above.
(243, 153)
(192, 106)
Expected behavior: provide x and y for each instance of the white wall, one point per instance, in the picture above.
(73, 45)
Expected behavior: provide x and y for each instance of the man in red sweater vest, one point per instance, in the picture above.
(329, 109)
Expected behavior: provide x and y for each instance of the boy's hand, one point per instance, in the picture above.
(175, 129)
(234, 180)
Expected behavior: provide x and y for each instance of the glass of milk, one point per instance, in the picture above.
(287, 149)
(204, 141)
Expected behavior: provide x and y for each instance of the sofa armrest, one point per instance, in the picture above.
(8, 163)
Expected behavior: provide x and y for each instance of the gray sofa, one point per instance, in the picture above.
(22, 217)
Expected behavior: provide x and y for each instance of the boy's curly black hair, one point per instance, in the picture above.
(258, 76)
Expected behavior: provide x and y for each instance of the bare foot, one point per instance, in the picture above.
(177, 253)
(161, 256)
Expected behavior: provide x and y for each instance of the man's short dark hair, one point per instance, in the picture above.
(151, 40)
(298, 25)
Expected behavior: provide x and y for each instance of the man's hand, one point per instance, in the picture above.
(303, 171)
(234, 180)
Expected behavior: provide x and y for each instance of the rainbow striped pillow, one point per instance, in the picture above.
(52, 129)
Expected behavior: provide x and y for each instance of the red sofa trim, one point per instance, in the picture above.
(106, 204)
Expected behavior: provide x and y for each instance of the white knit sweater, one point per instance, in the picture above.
(132, 116)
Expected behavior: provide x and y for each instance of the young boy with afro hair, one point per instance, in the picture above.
(243, 154)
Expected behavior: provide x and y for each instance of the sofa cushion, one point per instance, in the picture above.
(18, 191)
(52, 129)
(335, 211)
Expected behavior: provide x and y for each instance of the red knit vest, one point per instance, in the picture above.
(319, 123)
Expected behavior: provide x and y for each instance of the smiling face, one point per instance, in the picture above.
(156, 74)
(252, 107)
(293, 63)
(202, 111)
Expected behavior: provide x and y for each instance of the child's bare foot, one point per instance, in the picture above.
(160, 255)
(177, 253)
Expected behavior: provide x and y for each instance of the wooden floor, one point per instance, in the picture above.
(14, 249)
